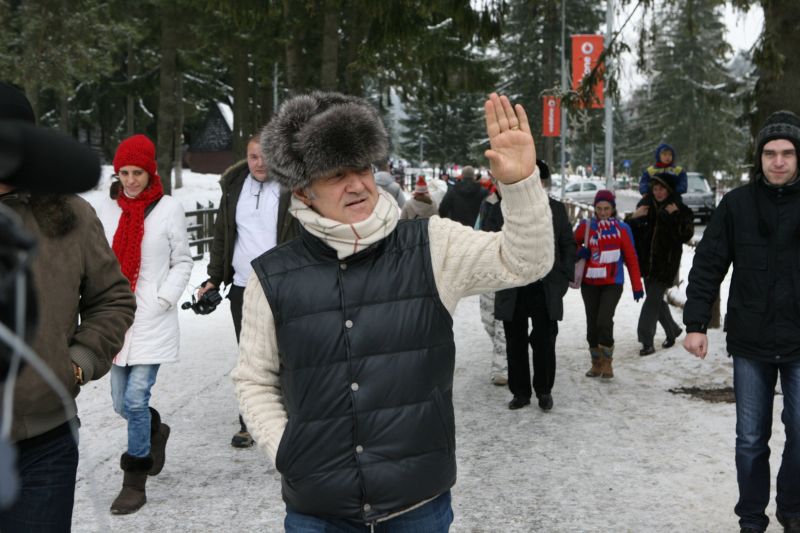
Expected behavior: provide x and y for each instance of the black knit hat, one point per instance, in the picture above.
(780, 125)
(14, 105)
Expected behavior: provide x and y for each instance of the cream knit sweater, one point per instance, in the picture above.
(465, 262)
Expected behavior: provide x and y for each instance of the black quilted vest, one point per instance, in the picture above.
(367, 356)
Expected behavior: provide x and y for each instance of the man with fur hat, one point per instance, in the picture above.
(345, 373)
(252, 217)
(85, 306)
(462, 202)
(757, 229)
(660, 229)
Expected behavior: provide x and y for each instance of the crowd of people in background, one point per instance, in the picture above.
(302, 226)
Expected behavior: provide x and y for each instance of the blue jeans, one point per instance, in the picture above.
(130, 394)
(433, 517)
(47, 487)
(754, 385)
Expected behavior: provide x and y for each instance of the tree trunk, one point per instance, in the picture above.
(167, 104)
(178, 143)
(330, 46)
(241, 98)
(32, 93)
(130, 100)
(293, 49)
(63, 113)
(778, 61)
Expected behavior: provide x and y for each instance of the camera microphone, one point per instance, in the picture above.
(38, 160)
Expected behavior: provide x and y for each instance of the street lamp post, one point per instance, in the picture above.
(609, 103)
(563, 92)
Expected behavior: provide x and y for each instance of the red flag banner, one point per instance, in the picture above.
(551, 116)
(586, 50)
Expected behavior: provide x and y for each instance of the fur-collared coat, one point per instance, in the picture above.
(84, 303)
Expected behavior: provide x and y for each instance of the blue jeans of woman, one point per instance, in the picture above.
(433, 517)
(754, 386)
(130, 394)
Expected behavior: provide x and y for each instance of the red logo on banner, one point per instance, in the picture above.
(586, 50)
(551, 116)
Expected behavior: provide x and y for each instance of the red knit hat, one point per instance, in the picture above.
(422, 186)
(138, 151)
(605, 196)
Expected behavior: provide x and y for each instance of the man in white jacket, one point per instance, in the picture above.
(347, 353)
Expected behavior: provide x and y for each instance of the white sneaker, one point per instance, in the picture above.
(499, 380)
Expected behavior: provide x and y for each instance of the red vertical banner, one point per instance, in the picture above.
(586, 50)
(551, 116)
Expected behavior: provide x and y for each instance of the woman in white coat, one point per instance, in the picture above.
(147, 231)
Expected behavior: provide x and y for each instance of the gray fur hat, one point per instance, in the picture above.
(321, 133)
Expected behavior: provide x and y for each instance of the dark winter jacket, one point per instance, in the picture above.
(463, 201)
(366, 375)
(556, 283)
(220, 264)
(659, 238)
(85, 306)
(763, 319)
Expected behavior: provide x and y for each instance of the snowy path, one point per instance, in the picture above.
(624, 455)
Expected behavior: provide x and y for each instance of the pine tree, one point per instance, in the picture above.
(688, 99)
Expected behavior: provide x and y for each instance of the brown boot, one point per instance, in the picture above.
(132, 496)
(596, 364)
(159, 433)
(606, 369)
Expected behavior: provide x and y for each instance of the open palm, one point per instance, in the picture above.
(512, 154)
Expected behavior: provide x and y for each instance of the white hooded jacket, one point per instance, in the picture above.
(164, 273)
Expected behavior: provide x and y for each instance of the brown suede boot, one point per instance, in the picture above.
(595, 371)
(132, 496)
(159, 433)
(606, 369)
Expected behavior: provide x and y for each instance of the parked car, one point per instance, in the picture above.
(700, 196)
(583, 190)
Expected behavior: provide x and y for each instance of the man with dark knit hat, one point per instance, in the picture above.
(660, 228)
(85, 306)
(757, 229)
(345, 372)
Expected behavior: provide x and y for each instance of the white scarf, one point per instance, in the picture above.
(349, 239)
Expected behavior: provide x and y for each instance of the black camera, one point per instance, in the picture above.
(206, 304)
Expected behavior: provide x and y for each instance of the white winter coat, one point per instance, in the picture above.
(163, 276)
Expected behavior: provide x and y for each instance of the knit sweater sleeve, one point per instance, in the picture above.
(256, 377)
(467, 262)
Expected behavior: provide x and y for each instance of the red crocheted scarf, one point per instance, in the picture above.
(127, 244)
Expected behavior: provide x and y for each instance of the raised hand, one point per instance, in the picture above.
(512, 154)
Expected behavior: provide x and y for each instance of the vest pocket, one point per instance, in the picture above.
(446, 427)
(283, 446)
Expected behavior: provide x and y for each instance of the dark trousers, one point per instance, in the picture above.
(530, 304)
(655, 310)
(47, 470)
(754, 386)
(236, 296)
(600, 302)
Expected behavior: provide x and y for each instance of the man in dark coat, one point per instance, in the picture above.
(462, 203)
(252, 218)
(541, 302)
(660, 228)
(757, 229)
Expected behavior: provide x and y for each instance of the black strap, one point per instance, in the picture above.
(152, 206)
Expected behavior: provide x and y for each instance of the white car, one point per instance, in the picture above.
(583, 191)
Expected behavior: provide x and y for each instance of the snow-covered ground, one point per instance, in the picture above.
(618, 455)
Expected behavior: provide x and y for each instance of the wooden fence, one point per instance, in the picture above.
(200, 225)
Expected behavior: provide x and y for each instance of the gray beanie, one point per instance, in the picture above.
(322, 133)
